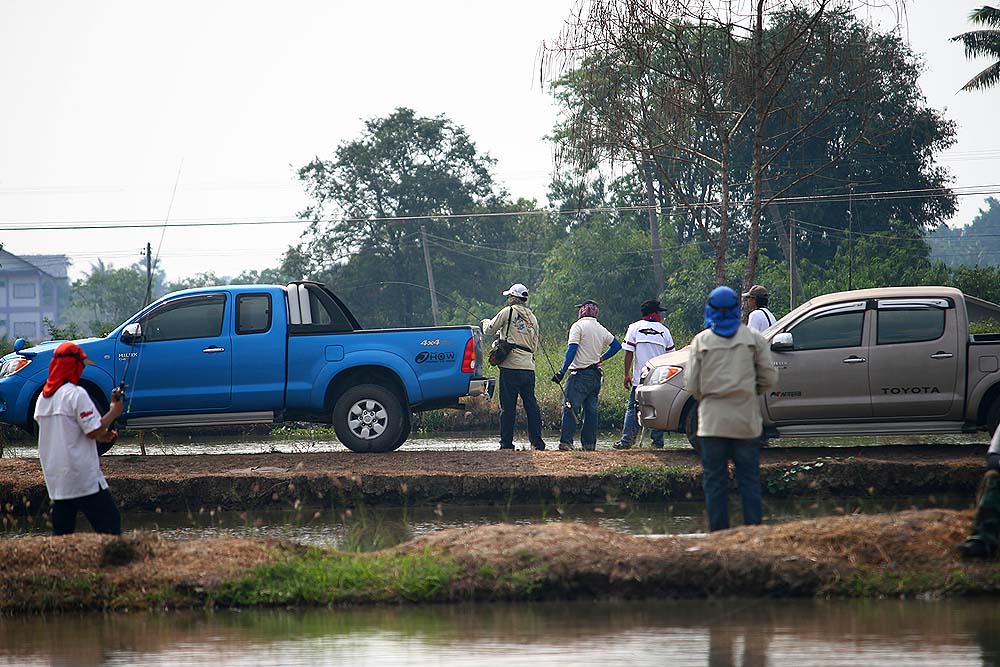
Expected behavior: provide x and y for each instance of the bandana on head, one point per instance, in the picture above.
(722, 313)
(588, 310)
(66, 366)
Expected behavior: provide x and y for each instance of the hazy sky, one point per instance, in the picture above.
(104, 103)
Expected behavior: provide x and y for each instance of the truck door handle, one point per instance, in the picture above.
(855, 360)
(942, 355)
(213, 349)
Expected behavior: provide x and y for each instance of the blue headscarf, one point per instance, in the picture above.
(722, 314)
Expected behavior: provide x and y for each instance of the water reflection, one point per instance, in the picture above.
(730, 632)
(369, 528)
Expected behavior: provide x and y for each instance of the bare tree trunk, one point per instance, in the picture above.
(654, 226)
(753, 245)
(795, 285)
(722, 238)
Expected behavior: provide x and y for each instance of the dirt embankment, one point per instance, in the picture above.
(338, 479)
(903, 554)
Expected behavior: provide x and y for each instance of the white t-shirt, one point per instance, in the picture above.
(69, 457)
(592, 338)
(760, 319)
(646, 339)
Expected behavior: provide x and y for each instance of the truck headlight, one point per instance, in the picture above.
(12, 366)
(661, 374)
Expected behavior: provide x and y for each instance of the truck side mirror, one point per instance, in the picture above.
(132, 333)
(782, 341)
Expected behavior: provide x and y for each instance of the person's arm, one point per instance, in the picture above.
(570, 355)
(627, 380)
(692, 374)
(491, 327)
(105, 433)
(612, 350)
(767, 374)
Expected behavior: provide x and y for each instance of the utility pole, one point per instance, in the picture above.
(850, 236)
(791, 260)
(149, 274)
(430, 273)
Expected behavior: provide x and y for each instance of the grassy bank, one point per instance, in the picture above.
(904, 554)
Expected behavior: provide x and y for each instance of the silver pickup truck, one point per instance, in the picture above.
(896, 360)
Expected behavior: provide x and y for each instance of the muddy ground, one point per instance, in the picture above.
(902, 554)
(337, 479)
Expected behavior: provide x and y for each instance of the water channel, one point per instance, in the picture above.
(692, 632)
(711, 633)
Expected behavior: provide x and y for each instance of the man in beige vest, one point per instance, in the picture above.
(516, 324)
(729, 367)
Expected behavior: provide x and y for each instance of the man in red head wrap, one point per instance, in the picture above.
(68, 425)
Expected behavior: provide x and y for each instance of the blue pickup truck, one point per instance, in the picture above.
(253, 354)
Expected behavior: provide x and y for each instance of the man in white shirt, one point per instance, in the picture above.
(645, 339)
(760, 317)
(68, 426)
(587, 339)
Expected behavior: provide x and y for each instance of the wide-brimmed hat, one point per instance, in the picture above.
(518, 290)
(651, 306)
(756, 290)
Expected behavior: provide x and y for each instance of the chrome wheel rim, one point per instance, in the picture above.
(367, 419)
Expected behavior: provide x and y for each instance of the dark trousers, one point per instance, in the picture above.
(99, 508)
(516, 382)
(582, 389)
(715, 456)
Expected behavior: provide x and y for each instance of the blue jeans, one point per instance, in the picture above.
(715, 455)
(582, 388)
(631, 427)
(516, 382)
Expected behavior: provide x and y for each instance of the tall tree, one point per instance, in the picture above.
(368, 204)
(983, 43)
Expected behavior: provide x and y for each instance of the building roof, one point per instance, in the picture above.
(54, 265)
(51, 265)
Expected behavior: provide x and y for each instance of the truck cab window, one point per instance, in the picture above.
(197, 317)
(253, 313)
(324, 314)
(826, 331)
(910, 326)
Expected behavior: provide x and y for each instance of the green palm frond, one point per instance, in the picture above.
(986, 15)
(986, 43)
(980, 43)
(985, 79)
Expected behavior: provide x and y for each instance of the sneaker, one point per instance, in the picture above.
(975, 548)
(622, 445)
(539, 446)
(566, 446)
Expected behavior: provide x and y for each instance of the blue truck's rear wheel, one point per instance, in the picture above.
(369, 418)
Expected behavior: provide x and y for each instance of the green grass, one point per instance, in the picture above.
(872, 583)
(321, 578)
(645, 482)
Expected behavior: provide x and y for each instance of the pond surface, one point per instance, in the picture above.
(321, 439)
(368, 528)
(956, 633)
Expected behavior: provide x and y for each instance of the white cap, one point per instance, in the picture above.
(518, 290)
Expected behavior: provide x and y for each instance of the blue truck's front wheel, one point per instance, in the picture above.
(369, 418)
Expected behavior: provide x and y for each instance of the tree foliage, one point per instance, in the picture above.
(404, 179)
